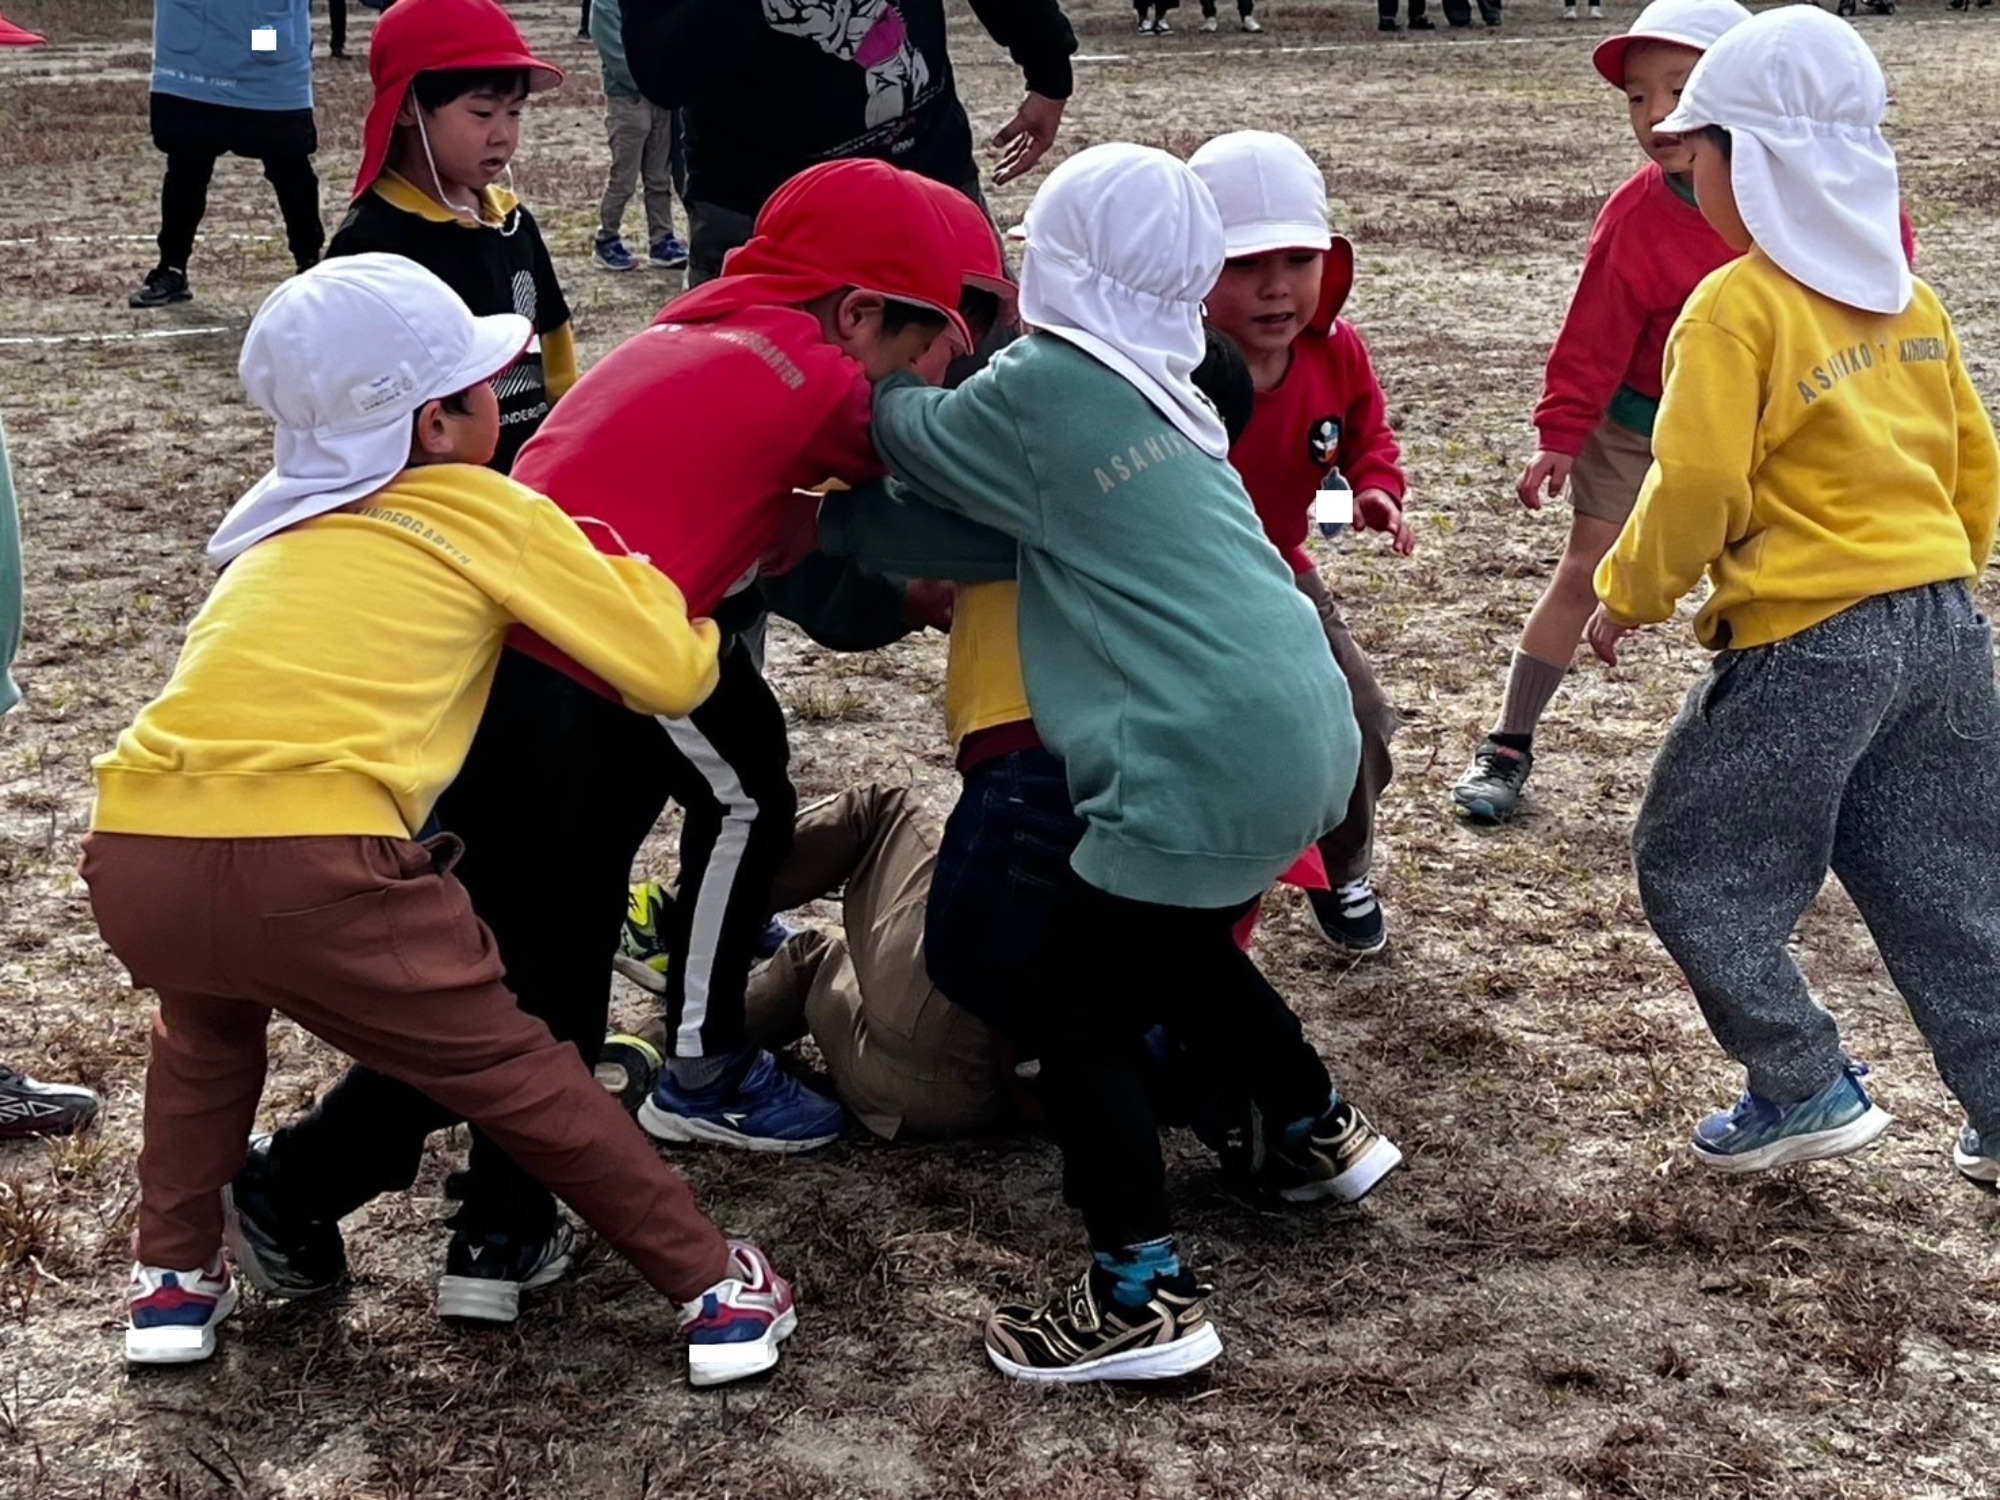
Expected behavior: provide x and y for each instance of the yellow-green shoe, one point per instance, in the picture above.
(642, 945)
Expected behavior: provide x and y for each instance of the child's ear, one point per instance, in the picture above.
(406, 112)
(858, 311)
(430, 433)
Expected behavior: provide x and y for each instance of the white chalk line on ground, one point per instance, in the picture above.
(129, 239)
(133, 337)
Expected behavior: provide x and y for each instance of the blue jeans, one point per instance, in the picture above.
(1001, 867)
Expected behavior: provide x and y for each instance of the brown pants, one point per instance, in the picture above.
(1349, 850)
(902, 1056)
(371, 945)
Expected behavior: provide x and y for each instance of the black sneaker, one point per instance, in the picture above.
(29, 1107)
(1344, 1157)
(279, 1253)
(484, 1275)
(1351, 918)
(1387, 25)
(1082, 1335)
(1490, 790)
(163, 285)
(1422, 23)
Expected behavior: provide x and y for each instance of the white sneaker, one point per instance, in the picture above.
(1596, 12)
(1145, 26)
(172, 1314)
(1251, 23)
(1161, 28)
(1569, 12)
(1208, 23)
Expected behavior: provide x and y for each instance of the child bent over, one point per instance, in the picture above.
(1820, 453)
(1205, 733)
(251, 847)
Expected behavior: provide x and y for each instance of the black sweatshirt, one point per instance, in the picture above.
(767, 88)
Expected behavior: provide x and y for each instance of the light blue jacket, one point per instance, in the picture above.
(1170, 659)
(253, 54)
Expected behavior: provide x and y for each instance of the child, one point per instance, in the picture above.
(1647, 251)
(1167, 656)
(1822, 455)
(644, 147)
(1156, 23)
(230, 78)
(451, 78)
(251, 848)
(768, 370)
(1320, 411)
(1244, 18)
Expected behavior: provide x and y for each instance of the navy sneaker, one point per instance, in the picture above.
(1974, 1159)
(485, 1274)
(163, 286)
(766, 1109)
(278, 1252)
(1757, 1135)
(734, 1328)
(1351, 918)
(668, 253)
(609, 254)
(171, 1315)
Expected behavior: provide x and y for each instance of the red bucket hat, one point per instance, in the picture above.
(18, 36)
(863, 224)
(429, 36)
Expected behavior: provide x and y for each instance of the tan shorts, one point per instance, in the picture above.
(1605, 481)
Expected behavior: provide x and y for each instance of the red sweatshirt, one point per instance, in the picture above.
(1327, 413)
(687, 442)
(1648, 251)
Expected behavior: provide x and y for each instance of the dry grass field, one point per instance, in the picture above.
(1552, 1299)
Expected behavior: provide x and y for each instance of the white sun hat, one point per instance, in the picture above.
(1270, 194)
(1123, 242)
(1686, 23)
(1803, 99)
(341, 357)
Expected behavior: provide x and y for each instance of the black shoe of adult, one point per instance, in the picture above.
(163, 285)
(1422, 23)
(1387, 25)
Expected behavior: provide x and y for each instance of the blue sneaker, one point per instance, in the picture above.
(172, 1314)
(668, 253)
(1757, 1135)
(1976, 1161)
(765, 1110)
(610, 254)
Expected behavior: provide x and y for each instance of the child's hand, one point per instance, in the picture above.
(1545, 468)
(1604, 632)
(1378, 510)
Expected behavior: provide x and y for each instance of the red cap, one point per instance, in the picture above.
(980, 262)
(863, 224)
(429, 36)
(18, 36)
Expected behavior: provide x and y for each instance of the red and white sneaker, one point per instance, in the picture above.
(734, 1328)
(173, 1313)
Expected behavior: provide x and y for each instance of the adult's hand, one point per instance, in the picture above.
(1026, 138)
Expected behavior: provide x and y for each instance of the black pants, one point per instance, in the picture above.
(193, 134)
(1110, 971)
(336, 26)
(1243, 7)
(1386, 10)
(559, 790)
(1459, 12)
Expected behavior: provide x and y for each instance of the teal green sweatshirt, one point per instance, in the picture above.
(607, 29)
(10, 581)
(1170, 660)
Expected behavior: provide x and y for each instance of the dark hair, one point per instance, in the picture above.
(898, 316)
(980, 309)
(458, 403)
(1224, 377)
(1719, 134)
(436, 89)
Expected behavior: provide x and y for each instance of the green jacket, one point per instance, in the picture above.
(607, 30)
(10, 581)
(1170, 660)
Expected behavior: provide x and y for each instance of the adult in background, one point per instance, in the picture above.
(231, 78)
(1459, 12)
(766, 88)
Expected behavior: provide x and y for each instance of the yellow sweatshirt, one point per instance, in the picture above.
(331, 683)
(1808, 455)
(983, 687)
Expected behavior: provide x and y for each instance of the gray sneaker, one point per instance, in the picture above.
(1975, 1160)
(1490, 790)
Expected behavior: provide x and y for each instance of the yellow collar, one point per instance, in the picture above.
(495, 203)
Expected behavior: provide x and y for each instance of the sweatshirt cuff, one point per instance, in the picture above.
(1051, 77)
(1564, 440)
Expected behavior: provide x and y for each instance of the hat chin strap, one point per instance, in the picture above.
(506, 226)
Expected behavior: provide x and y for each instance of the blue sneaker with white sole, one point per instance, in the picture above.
(171, 1315)
(1757, 1135)
(1975, 1160)
(765, 1109)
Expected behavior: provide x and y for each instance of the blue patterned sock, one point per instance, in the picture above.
(1135, 1268)
(1300, 1131)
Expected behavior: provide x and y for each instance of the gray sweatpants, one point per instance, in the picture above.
(1869, 744)
(643, 143)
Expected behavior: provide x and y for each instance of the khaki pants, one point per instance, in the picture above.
(370, 944)
(902, 1056)
(642, 150)
(1349, 850)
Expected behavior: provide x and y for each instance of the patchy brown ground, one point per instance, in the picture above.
(1551, 1300)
